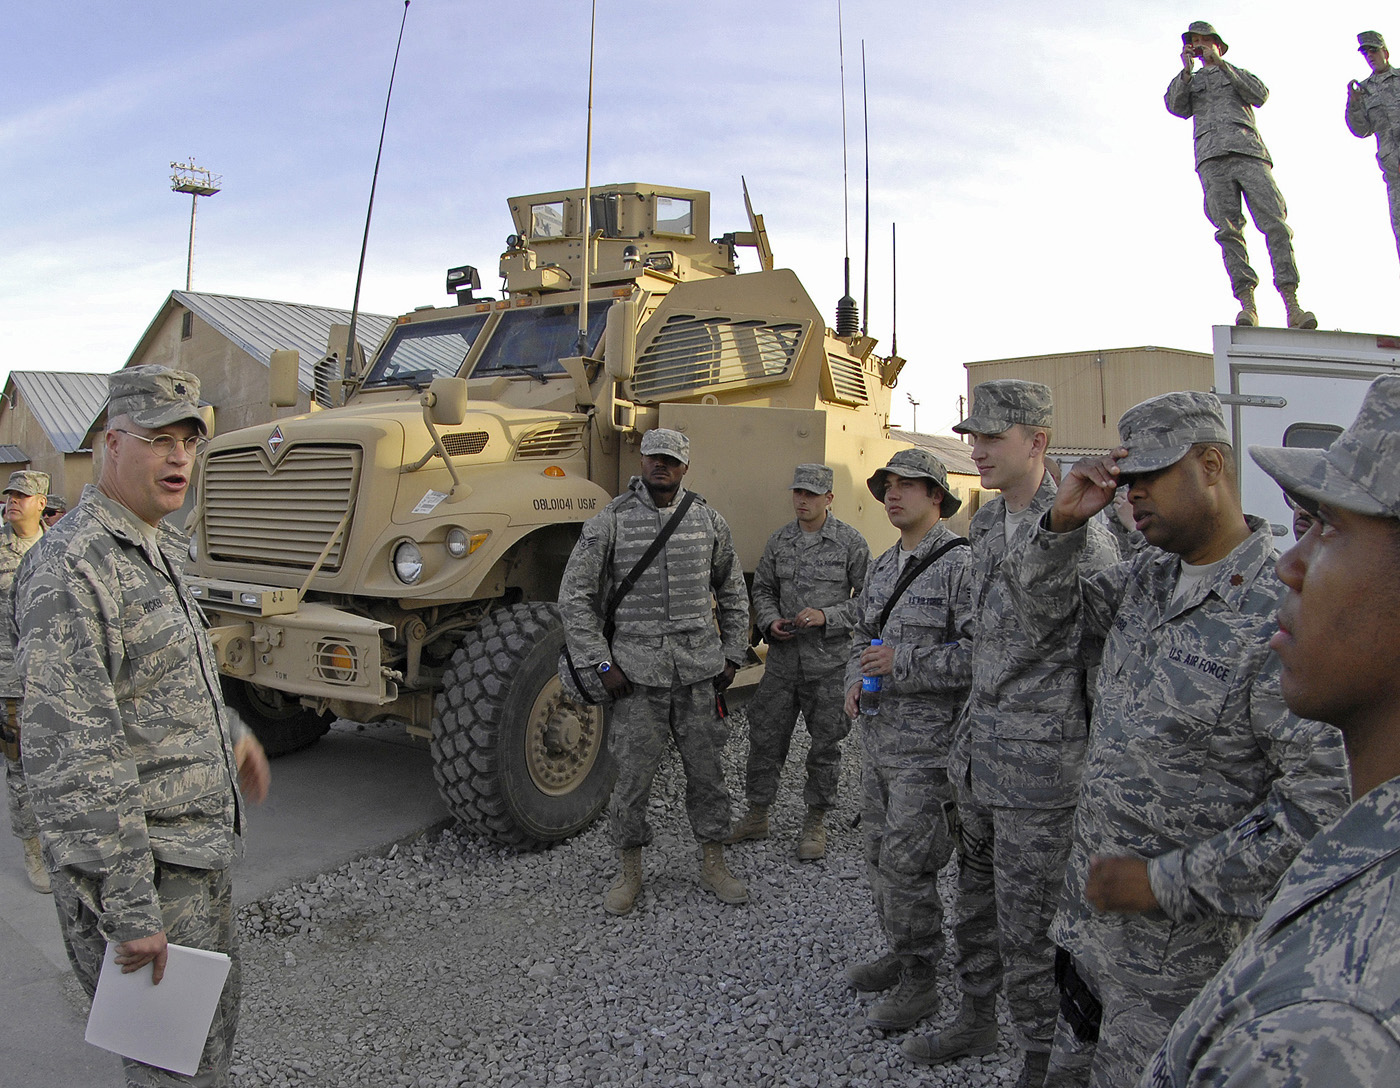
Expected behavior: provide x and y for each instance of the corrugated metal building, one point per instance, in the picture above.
(48, 422)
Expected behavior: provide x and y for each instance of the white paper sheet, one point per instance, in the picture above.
(163, 1025)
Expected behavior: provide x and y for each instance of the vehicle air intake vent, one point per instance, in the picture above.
(464, 443)
(278, 516)
(847, 380)
(698, 351)
(556, 440)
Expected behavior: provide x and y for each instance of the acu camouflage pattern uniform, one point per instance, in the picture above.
(667, 645)
(804, 672)
(128, 748)
(1377, 112)
(1231, 160)
(1312, 997)
(13, 548)
(1019, 751)
(1195, 763)
(905, 777)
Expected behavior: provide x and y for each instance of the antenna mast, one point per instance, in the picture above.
(349, 360)
(847, 315)
(582, 348)
(894, 293)
(865, 106)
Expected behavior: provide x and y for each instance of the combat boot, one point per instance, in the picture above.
(1248, 314)
(34, 866)
(972, 1035)
(878, 975)
(715, 877)
(754, 825)
(811, 845)
(622, 896)
(1033, 1069)
(915, 999)
(1298, 318)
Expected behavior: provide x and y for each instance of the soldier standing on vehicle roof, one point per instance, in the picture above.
(1312, 998)
(1233, 162)
(25, 497)
(1199, 786)
(132, 760)
(924, 667)
(666, 663)
(1019, 748)
(1373, 107)
(804, 604)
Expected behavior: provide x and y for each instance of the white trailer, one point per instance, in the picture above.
(1292, 387)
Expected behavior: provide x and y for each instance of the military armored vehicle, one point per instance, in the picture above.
(396, 552)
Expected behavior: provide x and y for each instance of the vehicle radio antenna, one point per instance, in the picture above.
(865, 106)
(582, 348)
(894, 293)
(847, 313)
(369, 212)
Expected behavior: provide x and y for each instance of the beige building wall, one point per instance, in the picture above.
(1093, 388)
(68, 473)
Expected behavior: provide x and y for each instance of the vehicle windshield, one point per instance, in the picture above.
(534, 339)
(418, 352)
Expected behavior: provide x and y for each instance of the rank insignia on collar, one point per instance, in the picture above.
(1237, 579)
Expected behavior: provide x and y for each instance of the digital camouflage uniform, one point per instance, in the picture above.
(1195, 764)
(1312, 997)
(12, 549)
(805, 672)
(1232, 161)
(666, 644)
(1377, 112)
(128, 750)
(1016, 765)
(905, 777)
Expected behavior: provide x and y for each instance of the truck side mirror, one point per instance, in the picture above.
(620, 340)
(282, 378)
(446, 401)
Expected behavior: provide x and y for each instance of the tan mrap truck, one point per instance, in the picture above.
(398, 553)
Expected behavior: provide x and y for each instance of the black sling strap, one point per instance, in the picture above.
(910, 573)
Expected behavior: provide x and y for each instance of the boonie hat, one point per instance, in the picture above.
(913, 464)
(1159, 431)
(671, 443)
(154, 396)
(818, 479)
(997, 404)
(1359, 472)
(1205, 30)
(1370, 39)
(28, 482)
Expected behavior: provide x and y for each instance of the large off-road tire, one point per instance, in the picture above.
(517, 762)
(279, 722)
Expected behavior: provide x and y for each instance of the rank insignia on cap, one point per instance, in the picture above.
(1237, 579)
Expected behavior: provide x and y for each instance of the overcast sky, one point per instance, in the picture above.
(1045, 199)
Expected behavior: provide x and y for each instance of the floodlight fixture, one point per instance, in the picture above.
(198, 181)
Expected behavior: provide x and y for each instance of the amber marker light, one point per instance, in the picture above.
(554, 472)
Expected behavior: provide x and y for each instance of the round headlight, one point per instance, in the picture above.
(194, 548)
(457, 543)
(408, 562)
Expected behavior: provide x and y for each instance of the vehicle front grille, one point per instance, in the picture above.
(278, 516)
(556, 440)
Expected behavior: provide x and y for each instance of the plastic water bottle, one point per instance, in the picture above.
(870, 689)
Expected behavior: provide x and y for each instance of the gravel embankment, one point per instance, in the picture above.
(451, 963)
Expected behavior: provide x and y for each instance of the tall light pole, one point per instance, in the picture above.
(198, 181)
(915, 427)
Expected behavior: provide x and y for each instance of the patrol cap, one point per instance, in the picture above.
(915, 463)
(28, 483)
(668, 442)
(154, 396)
(818, 479)
(57, 503)
(1370, 39)
(1359, 472)
(1159, 431)
(997, 404)
(1205, 30)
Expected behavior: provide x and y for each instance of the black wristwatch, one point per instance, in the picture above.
(604, 667)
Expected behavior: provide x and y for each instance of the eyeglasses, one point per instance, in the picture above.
(163, 445)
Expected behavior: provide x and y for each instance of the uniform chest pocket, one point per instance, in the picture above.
(157, 639)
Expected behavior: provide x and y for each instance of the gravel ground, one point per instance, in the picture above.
(450, 962)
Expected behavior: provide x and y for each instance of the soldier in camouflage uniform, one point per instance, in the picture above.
(1373, 108)
(1233, 162)
(925, 665)
(25, 497)
(57, 506)
(133, 763)
(1019, 751)
(803, 603)
(666, 662)
(1199, 786)
(1313, 995)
